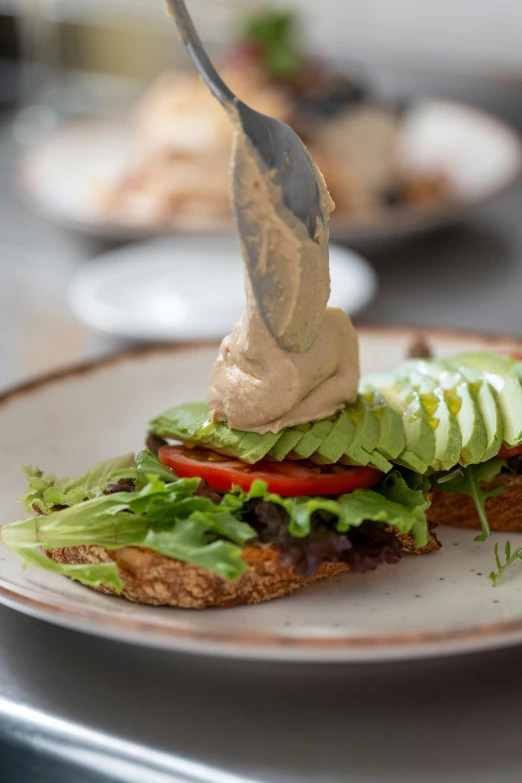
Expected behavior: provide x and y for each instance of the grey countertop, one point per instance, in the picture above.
(452, 720)
(108, 710)
(468, 276)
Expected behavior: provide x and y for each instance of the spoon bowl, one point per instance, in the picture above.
(280, 151)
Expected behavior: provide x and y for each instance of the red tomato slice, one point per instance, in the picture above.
(514, 452)
(288, 478)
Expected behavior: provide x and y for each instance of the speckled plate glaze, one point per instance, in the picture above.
(435, 605)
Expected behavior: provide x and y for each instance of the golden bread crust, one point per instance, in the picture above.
(504, 511)
(408, 542)
(151, 578)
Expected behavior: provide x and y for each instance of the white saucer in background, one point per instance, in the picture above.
(188, 288)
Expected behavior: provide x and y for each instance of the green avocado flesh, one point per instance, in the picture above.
(448, 439)
(311, 440)
(176, 423)
(504, 375)
(334, 445)
(422, 414)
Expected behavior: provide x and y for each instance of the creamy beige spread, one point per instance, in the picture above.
(260, 383)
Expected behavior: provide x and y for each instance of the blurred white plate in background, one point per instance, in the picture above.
(479, 154)
(186, 288)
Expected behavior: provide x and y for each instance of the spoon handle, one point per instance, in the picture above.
(197, 53)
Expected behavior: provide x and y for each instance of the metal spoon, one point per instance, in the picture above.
(280, 150)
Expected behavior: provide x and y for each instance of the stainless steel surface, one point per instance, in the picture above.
(280, 151)
(108, 755)
(444, 721)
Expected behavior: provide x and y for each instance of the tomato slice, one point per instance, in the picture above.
(514, 452)
(288, 478)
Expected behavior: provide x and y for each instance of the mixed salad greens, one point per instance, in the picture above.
(139, 502)
(343, 489)
(130, 501)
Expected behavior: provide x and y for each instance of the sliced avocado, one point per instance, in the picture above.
(334, 445)
(254, 447)
(391, 431)
(488, 362)
(248, 446)
(367, 425)
(399, 393)
(492, 418)
(313, 439)
(182, 422)
(380, 462)
(503, 374)
(463, 404)
(448, 439)
(374, 407)
(489, 408)
(372, 431)
(472, 428)
(191, 423)
(358, 451)
(288, 440)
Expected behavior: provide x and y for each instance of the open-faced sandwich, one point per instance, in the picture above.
(226, 516)
(295, 468)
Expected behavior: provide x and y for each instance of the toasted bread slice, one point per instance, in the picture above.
(151, 578)
(504, 511)
(408, 542)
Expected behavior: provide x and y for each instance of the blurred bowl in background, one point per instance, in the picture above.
(477, 154)
(188, 288)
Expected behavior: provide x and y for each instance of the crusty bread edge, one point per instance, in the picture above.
(154, 579)
(504, 511)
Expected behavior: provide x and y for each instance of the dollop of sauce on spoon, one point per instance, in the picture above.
(256, 385)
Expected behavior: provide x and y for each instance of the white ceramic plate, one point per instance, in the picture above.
(434, 605)
(480, 155)
(180, 288)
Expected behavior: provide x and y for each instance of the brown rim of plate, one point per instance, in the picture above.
(412, 331)
(33, 604)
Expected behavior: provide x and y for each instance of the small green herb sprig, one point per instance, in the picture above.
(511, 557)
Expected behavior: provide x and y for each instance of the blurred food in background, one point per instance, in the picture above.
(181, 137)
(180, 154)
(395, 166)
(164, 167)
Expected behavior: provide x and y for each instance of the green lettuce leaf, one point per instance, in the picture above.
(467, 481)
(46, 491)
(187, 540)
(146, 464)
(164, 515)
(93, 575)
(394, 503)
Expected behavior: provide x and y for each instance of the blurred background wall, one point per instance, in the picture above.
(448, 34)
